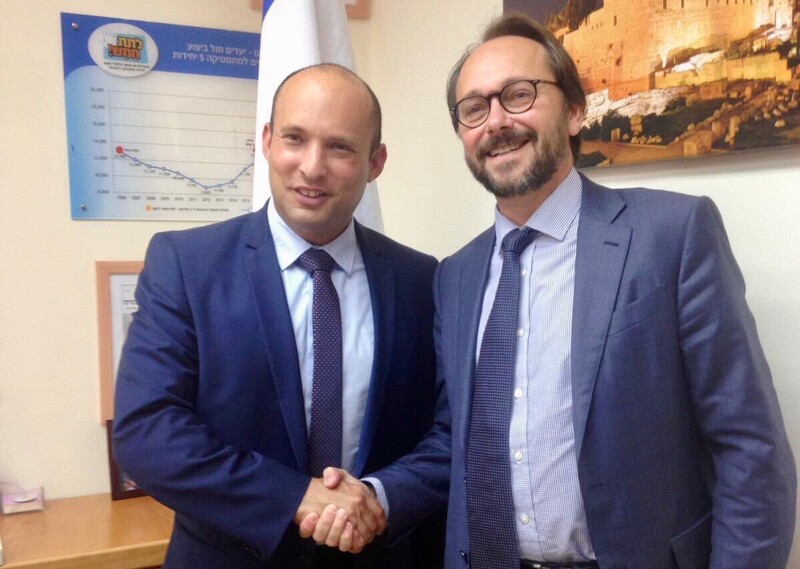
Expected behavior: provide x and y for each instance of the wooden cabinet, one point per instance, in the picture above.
(88, 532)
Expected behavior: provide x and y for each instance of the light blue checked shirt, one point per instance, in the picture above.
(550, 517)
(358, 337)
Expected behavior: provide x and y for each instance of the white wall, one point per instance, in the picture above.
(49, 419)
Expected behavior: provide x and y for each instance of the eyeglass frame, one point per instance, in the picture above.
(488, 98)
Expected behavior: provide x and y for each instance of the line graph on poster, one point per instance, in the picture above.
(178, 175)
(162, 150)
(180, 148)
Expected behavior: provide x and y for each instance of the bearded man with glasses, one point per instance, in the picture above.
(605, 399)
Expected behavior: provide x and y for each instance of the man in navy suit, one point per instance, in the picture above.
(216, 385)
(642, 429)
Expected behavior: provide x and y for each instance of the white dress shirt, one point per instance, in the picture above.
(358, 338)
(550, 517)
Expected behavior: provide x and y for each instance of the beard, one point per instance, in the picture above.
(550, 151)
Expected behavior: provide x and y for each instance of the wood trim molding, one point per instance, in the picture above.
(356, 9)
(103, 271)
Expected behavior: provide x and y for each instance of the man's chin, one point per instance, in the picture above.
(503, 188)
(508, 191)
(515, 184)
(521, 185)
(500, 186)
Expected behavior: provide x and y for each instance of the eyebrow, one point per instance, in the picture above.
(342, 140)
(336, 138)
(508, 81)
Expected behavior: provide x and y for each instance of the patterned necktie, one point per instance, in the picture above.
(490, 506)
(325, 436)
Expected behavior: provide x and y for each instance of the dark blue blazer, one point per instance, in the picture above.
(683, 458)
(209, 414)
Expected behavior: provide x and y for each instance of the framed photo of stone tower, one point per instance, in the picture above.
(678, 78)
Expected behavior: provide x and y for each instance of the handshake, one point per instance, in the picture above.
(340, 511)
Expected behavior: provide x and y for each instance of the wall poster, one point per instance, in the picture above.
(675, 78)
(160, 119)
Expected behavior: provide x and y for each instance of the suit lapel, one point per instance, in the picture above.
(380, 276)
(264, 276)
(468, 292)
(601, 252)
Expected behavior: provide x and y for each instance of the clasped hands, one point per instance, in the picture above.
(340, 511)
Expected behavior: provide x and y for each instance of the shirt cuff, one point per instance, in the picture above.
(380, 493)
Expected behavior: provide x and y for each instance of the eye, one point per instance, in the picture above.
(473, 108)
(291, 138)
(519, 94)
(341, 147)
(518, 97)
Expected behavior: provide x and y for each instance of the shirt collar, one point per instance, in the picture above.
(554, 217)
(289, 245)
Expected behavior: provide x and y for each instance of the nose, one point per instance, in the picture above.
(313, 165)
(498, 118)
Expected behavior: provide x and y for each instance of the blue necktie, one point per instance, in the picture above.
(490, 506)
(325, 436)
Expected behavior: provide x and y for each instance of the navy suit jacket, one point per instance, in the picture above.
(683, 460)
(209, 412)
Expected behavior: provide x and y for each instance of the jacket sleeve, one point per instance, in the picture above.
(736, 407)
(417, 485)
(164, 446)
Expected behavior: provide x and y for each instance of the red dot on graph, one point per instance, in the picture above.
(120, 150)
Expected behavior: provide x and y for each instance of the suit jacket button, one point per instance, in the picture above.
(465, 557)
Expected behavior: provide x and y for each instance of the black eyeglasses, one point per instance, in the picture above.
(515, 98)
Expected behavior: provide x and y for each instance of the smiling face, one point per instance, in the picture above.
(515, 155)
(319, 149)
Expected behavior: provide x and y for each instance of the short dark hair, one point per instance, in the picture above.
(377, 117)
(560, 62)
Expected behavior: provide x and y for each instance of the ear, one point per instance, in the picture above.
(266, 139)
(376, 162)
(575, 120)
